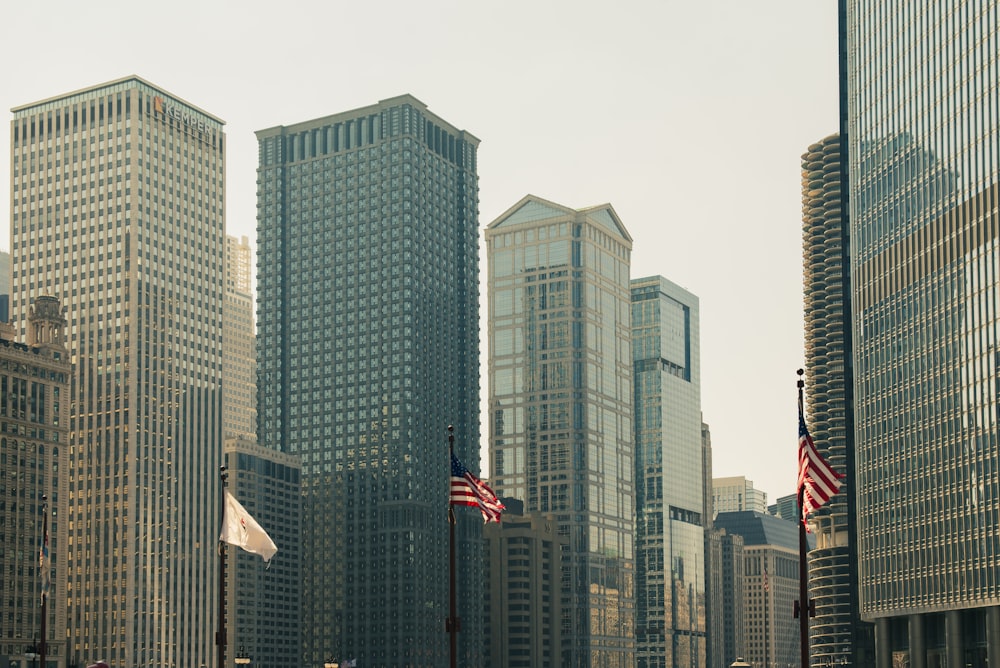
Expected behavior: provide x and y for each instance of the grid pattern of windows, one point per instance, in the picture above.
(925, 237)
(924, 129)
(368, 349)
(560, 404)
(118, 210)
(34, 423)
(239, 392)
(670, 540)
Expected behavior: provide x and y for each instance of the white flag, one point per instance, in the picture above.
(239, 528)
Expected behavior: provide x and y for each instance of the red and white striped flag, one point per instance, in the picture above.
(818, 481)
(468, 490)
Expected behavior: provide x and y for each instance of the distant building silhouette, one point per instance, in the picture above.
(35, 379)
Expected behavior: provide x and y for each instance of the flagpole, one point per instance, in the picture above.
(44, 563)
(220, 635)
(803, 566)
(454, 623)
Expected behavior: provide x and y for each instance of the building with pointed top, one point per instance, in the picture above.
(560, 402)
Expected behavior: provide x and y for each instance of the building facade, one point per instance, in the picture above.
(736, 493)
(4, 287)
(35, 381)
(836, 635)
(560, 402)
(923, 134)
(263, 601)
(239, 344)
(523, 566)
(118, 211)
(368, 348)
(770, 587)
(670, 495)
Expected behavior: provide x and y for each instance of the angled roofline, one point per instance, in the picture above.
(585, 212)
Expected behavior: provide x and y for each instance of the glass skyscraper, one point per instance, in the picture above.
(368, 348)
(560, 402)
(924, 150)
(670, 484)
(118, 210)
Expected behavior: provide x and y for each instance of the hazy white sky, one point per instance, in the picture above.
(688, 117)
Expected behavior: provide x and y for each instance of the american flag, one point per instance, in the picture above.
(44, 564)
(468, 490)
(818, 481)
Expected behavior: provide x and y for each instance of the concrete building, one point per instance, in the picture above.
(836, 634)
(118, 210)
(263, 602)
(670, 494)
(368, 348)
(735, 494)
(770, 587)
(524, 557)
(924, 185)
(560, 401)
(239, 344)
(34, 432)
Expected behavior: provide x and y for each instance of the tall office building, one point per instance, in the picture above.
(670, 587)
(836, 634)
(264, 601)
(118, 210)
(560, 401)
(34, 424)
(924, 132)
(368, 348)
(239, 345)
(736, 493)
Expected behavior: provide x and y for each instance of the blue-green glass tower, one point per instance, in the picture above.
(924, 151)
(670, 530)
(368, 348)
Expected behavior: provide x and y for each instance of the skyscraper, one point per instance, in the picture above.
(4, 286)
(368, 348)
(670, 494)
(836, 634)
(34, 424)
(118, 211)
(239, 344)
(560, 402)
(924, 133)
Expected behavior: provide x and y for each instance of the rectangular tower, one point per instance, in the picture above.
(560, 403)
(670, 494)
(239, 364)
(117, 209)
(368, 348)
(924, 165)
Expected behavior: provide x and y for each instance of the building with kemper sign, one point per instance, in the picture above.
(118, 210)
